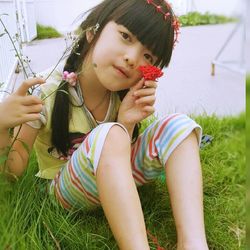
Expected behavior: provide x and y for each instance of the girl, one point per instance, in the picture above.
(87, 140)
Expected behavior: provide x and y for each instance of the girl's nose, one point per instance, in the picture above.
(131, 59)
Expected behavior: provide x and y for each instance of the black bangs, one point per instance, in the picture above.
(148, 26)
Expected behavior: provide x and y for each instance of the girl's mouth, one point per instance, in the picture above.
(121, 72)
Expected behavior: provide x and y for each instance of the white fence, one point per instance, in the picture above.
(26, 11)
(7, 55)
(25, 26)
(60, 14)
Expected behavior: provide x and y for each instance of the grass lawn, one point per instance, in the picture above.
(30, 221)
(44, 32)
(248, 158)
(196, 18)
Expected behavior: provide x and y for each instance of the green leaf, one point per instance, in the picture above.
(2, 34)
(26, 147)
(3, 159)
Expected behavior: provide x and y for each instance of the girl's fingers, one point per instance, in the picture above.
(149, 109)
(139, 85)
(23, 89)
(25, 118)
(146, 100)
(150, 84)
(31, 100)
(30, 117)
(33, 109)
(145, 92)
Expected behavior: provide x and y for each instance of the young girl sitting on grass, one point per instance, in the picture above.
(86, 138)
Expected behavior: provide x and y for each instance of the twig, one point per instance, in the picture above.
(5, 91)
(14, 46)
(9, 150)
(52, 236)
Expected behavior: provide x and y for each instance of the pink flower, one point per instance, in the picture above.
(71, 78)
(150, 72)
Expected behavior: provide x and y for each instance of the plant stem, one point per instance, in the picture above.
(14, 46)
(9, 150)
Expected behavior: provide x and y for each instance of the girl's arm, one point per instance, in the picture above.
(18, 158)
(19, 108)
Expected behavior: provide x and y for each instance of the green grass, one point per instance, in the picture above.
(248, 158)
(27, 217)
(44, 32)
(196, 18)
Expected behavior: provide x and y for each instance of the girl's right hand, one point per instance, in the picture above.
(138, 103)
(19, 107)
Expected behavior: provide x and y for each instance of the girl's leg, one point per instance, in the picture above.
(118, 193)
(184, 181)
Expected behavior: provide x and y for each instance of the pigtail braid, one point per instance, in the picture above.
(61, 109)
(60, 120)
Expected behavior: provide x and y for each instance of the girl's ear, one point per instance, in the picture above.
(89, 36)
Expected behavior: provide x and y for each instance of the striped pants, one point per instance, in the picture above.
(75, 184)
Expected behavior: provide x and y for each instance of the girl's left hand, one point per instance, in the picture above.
(138, 103)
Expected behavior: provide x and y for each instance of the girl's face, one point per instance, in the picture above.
(117, 55)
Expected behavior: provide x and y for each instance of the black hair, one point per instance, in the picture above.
(143, 21)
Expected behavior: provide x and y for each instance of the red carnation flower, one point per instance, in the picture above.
(150, 72)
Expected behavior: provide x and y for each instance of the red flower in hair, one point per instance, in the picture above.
(150, 72)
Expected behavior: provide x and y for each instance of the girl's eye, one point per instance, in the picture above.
(125, 36)
(149, 58)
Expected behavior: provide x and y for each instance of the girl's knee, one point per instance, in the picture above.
(108, 135)
(169, 132)
(116, 147)
(117, 137)
(191, 139)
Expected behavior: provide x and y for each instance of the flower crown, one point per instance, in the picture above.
(166, 15)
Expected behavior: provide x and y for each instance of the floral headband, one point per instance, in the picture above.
(175, 21)
(166, 15)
